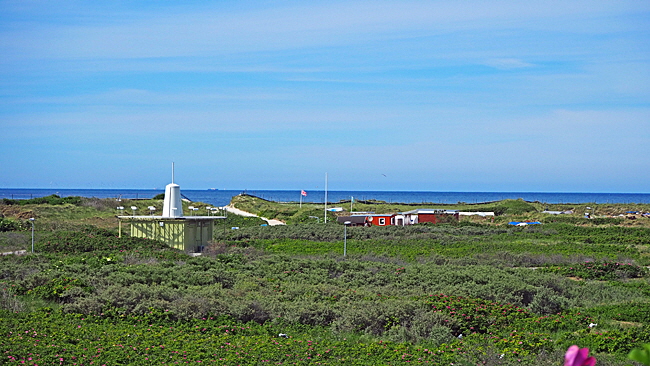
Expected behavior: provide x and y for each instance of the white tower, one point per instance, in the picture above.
(173, 206)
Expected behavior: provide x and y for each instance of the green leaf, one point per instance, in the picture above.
(641, 355)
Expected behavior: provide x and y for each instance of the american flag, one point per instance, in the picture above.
(302, 192)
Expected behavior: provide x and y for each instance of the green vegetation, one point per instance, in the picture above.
(506, 210)
(91, 240)
(475, 292)
(11, 225)
(50, 200)
(293, 213)
(599, 270)
(469, 242)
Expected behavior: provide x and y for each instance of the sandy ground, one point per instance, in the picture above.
(239, 212)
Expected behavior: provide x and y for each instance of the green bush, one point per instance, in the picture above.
(599, 270)
(627, 312)
(57, 288)
(11, 225)
(79, 242)
(619, 341)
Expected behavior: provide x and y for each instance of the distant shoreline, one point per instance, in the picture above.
(298, 190)
(222, 197)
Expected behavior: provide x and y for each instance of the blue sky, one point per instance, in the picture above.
(546, 96)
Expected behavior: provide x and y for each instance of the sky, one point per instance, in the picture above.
(499, 95)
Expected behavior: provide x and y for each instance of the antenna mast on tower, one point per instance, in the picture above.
(172, 172)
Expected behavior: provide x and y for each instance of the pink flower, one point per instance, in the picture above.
(576, 356)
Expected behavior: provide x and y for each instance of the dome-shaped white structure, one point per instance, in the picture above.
(173, 206)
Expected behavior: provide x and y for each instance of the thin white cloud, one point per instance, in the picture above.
(508, 63)
(565, 88)
(215, 31)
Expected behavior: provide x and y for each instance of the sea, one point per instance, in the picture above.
(220, 198)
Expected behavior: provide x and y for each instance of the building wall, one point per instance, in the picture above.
(172, 233)
(432, 218)
(398, 220)
(379, 220)
(412, 219)
(179, 234)
(198, 234)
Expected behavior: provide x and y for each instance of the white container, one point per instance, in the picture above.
(173, 206)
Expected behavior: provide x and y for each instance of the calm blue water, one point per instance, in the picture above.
(221, 198)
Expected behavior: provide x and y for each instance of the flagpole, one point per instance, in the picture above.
(300, 199)
(326, 198)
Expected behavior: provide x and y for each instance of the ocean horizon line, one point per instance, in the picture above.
(223, 197)
(322, 190)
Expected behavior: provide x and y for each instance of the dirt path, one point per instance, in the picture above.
(239, 212)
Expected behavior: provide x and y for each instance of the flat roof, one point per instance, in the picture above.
(430, 211)
(160, 218)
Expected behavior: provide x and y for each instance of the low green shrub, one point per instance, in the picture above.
(57, 288)
(50, 200)
(619, 341)
(626, 312)
(642, 287)
(578, 220)
(7, 224)
(78, 242)
(599, 270)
